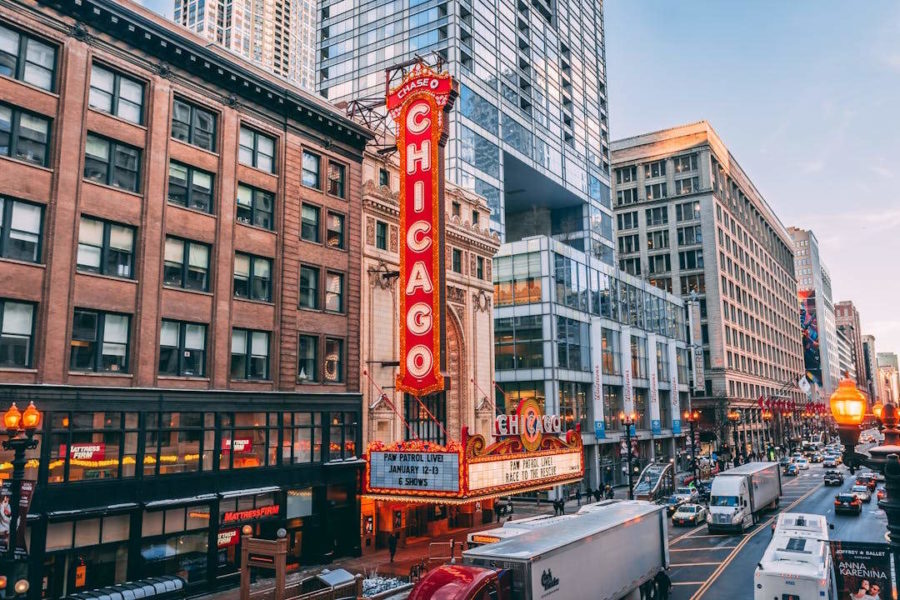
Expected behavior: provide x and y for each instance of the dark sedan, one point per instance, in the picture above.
(847, 503)
(791, 470)
(834, 478)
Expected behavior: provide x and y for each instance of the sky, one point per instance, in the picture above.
(806, 96)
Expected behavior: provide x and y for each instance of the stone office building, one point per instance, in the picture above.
(690, 221)
(156, 291)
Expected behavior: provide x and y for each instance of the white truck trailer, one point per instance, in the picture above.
(739, 495)
(606, 554)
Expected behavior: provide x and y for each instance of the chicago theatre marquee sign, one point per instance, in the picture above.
(529, 454)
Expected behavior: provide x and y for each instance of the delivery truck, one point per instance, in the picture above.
(739, 495)
(592, 557)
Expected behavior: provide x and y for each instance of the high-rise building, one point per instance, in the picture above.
(529, 131)
(847, 319)
(279, 35)
(888, 384)
(846, 361)
(690, 220)
(871, 365)
(817, 314)
(887, 359)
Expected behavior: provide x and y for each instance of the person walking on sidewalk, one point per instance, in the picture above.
(578, 496)
(392, 545)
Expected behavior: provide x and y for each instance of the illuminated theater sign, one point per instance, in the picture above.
(528, 455)
(418, 106)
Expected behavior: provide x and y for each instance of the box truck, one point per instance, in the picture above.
(739, 495)
(592, 556)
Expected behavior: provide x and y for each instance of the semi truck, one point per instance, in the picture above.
(592, 557)
(739, 495)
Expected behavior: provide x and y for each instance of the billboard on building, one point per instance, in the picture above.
(809, 323)
(418, 106)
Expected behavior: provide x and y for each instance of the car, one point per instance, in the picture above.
(880, 493)
(796, 456)
(802, 464)
(829, 462)
(785, 461)
(672, 503)
(816, 458)
(703, 490)
(689, 514)
(834, 478)
(791, 470)
(849, 503)
(867, 480)
(862, 492)
(688, 494)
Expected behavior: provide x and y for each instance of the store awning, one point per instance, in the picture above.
(92, 511)
(249, 492)
(167, 587)
(175, 501)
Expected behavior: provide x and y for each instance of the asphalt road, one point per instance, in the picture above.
(716, 567)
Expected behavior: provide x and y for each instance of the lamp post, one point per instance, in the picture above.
(734, 417)
(629, 421)
(767, 419)
(848, 406)
(693, 417)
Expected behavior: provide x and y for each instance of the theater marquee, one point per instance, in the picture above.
(528, 455)
(418, 106)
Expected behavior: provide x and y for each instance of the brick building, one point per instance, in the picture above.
(156, 284)
(470, 247)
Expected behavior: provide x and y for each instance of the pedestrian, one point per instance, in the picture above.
(609, 492)
(562, 506)
(663, 585)
(597, 494)
(498, 510)
(392, 545)
(578, 496)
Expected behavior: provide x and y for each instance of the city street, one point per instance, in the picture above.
(722, 566)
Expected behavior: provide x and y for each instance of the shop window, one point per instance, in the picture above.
(89, 446)
(178, 442)
(302, 437)
(249, 440)
(180, 554)
(342, 441)
(299, 503)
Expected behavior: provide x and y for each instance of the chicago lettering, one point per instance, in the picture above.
(512, 425)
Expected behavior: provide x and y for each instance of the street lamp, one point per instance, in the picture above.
(734, 417)
(20, 427)
(693, 417)
(848, 406)
(767, 419)
(629, 421)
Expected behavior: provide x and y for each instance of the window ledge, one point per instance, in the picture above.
(191, 146)
(22, 262)
(187, 290)
(103, 374)
(31, 86)
(17, 370)
(102, 276)
(118, 118)
(250, 381)
(193, 210)
(113, 188)
(256, 227)
(19, 161)
(181, 378)
(263, 302)
(258, 170)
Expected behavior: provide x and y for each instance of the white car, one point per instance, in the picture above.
(689, 514)
(802, 464)
(688, 494)
(862, 492)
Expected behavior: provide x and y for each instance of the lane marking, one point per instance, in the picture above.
(701, 549)
(701, 564)
(764, 526)
(686, 535)
(687, 583)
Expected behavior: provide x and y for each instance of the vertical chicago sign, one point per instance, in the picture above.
(419, 106)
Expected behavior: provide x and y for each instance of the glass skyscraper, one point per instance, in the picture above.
(530, 129)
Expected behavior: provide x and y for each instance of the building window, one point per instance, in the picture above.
(116, 94)
(343, 436)
(105, 248)
(657, 240)
(656, 216)
(384, 177)
(611, 356)
(656, 191)
(457, 260)
(334, 233)
(427, 417)
(186, 264)
(255, 207)
(685, 163)
(309, 287)
(479, 267)
(691, 259)
(309, 223)
(24, 136)
(655, 169)
(334, 361)
(631, 265)
(27, 59)
(182, 349)
(310, 170)
(688, 236)
(308, 351)
(687, 186)
(249, 354)
(381, 231)
(257, 150)
(629, 244)
(193, 125)
(334, 292)
(624, 197)
(20, 230)
(639, 357)
(455, 209)
(112, 163)
(252, 277)
(572, 346)
(190, 187)
(99, 342)
(687, 211)
(16, 333)
(693, 283)
(659, 263)
(519, 342)
(336, 174)
(474, 217)
(628, 220)
(626, 174)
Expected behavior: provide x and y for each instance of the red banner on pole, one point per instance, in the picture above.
(418, 106)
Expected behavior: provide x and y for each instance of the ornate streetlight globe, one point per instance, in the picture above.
(848, 405)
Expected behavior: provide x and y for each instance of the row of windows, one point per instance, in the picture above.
(101, 343)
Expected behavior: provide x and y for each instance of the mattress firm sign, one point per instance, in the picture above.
(420, 471)
(523, 470)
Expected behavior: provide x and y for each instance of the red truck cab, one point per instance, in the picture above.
(462, 582)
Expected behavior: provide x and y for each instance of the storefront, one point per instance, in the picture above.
(138, 488)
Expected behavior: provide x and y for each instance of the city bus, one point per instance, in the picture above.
(797, 564)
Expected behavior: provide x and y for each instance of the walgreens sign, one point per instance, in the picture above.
(418, 106)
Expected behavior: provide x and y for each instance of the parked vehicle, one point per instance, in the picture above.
(834, 478)
(847, 503)
(689, 514)
(862, 492)
(741, 494)
(563, 561)
(797, 564)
